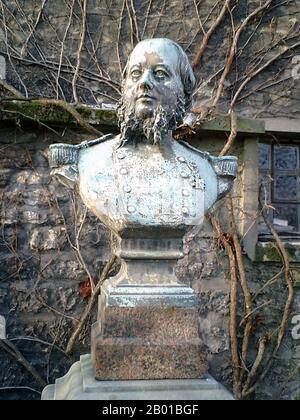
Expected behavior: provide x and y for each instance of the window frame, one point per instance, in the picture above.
(274, 173)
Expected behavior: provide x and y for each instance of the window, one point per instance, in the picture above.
(279, 187)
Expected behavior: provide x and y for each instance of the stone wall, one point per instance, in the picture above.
(39, 267)
(41, 62)
(42, 289)
(42, 285)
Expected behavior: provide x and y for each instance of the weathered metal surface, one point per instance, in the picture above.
(129, 296)
(149, 190)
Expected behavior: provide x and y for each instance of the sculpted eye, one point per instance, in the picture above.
(136, 73)
(161, 74)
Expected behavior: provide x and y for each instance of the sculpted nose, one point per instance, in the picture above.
(145, 81)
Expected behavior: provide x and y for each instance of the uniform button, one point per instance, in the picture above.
(184, 174)
(121, 155)
(131, 209)
(123, 171)
(185, 210)
(181, 159)
(127, 189)
(185, 193)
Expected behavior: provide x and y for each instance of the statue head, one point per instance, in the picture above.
(157, 90)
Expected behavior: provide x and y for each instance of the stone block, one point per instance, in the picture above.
(147, 342)
(5, 175)
(140, 359)
(45, 239)
(79, 384)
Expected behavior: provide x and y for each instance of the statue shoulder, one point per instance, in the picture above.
(61, 154)
(225, 168)
(63, 159)
(198, 152)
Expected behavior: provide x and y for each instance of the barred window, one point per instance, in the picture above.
(279, 188)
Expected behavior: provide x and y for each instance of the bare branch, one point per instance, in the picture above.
(234, 46)
(233, 305)
(33, 28)
(251, 76)
(233, 134)
(208, 34)
(10, 348)
(109, 265)
(83, 4)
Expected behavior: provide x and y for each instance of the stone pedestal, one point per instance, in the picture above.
(147, 332)
(79, 384)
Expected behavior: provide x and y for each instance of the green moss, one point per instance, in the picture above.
(55, 114)
(244, 125)
(267, 252)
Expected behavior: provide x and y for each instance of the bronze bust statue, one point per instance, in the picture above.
(143, 184)
(149, 190)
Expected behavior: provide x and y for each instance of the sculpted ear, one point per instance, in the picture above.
(188, 80)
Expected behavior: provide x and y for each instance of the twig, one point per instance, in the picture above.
(261, 69)
(255, 310)
(62, 47)
(233, 134)
(268, 283)
(137, 34)
(38, 340)
(28, 388)
(158, 20)
(146, 18)
(90, 305)
(256, 364)
(233, 305)
(34, 27)
(243, 281)
(208, 34)
(119, 36)
(71, 110)
(76, 247)
(77, 243)
(11, 89)
(10, 348)
(234, 46)
(199, 18)
(55, 311)
(288, 280)
(287, 308)
(83, 4)
(7, 50)
(7, 111)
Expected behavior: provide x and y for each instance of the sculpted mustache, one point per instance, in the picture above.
(145, 95)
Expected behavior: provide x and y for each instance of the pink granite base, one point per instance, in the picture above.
(148, 343)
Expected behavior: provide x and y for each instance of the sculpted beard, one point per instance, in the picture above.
(134, 129)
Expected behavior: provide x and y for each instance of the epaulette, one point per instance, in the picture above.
(223, 166)
(67, 154)
(205, 155)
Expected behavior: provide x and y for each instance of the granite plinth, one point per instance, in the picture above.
(147, 335)
(79, 384)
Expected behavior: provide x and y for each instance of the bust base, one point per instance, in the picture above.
(79, 384)
(147, 333)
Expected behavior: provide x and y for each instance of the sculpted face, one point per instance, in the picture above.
(152, 78)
